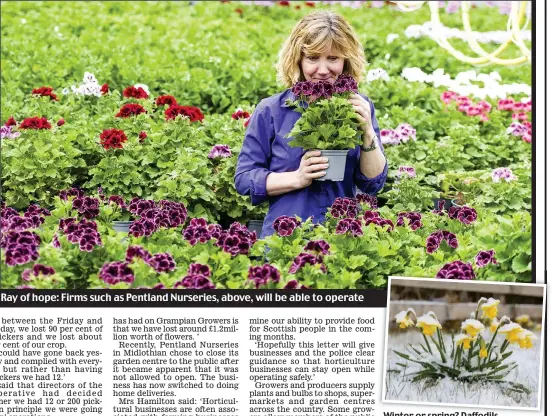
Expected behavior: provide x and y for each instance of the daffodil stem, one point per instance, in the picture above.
(504, 345)
(441, 341)
(439, 349)
(489, 347)
(427, 343)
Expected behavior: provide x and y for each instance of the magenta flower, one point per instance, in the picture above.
(220, 151)
(199, 269)
(414, 219)
(294, 284)
(351, 225)
(285, 225)
(318, 247)
(115, 272)
(162, 262)
(485, 257)
(137, 251)
(194, 281)
(506, 104)
(306, 258)
(371, 200)
(344, 207)
(262, 275)
(38, 270)
(456, 270)
(448, 96)
(407, 171)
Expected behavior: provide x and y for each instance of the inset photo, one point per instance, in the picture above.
(464, 343)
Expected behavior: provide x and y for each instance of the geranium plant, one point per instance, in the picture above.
(329, 122)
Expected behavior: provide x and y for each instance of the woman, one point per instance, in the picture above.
(320, 47)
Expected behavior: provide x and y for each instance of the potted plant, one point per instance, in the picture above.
(328, 122)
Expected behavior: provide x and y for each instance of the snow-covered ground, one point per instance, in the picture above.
(446, 390)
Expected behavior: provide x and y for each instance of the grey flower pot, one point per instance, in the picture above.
(255, 225)
(121, 226)
(337, 159)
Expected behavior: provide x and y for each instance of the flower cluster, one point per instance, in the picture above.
(414, 219)
(465, 104)
(165, 100)
(10, 122)
(89, 86)
(351, 225)
(193, 113)
(240, 114)
(45, 92)
(323, 89)
(306, 258)
(20, 247)
(135, 92)
(519, 109)
(462, 84)
(220, 151)
(262, 275)
(137, 252)
(505, 174)
(318, 247)
(66, 193)
(344, 207)
(162, 262)
(87, 206)
(198, 277)
(409, 171)
(115, 272)
(285, 225)
(236, 240)
(464, 214)
(83, 232)
(294, 284)
(434, 240)
(373, 217)
(38, 270)
(7, 133)
(152, 216)
(370, 200)
(130, 109)
(142, 136)
(525, 130)
(400, 134)
(113, 139)
(37, 123)
(194, 281)
(456, 270)
(485, 257)
(378, 73)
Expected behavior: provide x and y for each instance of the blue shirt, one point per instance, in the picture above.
(266, 150)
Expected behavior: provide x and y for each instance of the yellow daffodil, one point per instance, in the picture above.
(494, 325)
(512, 331)
(482, 349)
(428, 324)
(490, 308)
(523, 319)
(525, 339)
(472, 327)
(464, 340)
(403, 319)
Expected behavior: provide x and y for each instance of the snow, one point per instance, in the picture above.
(446, 390)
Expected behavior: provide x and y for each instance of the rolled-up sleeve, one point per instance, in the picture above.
(253, 160)
(371, 185)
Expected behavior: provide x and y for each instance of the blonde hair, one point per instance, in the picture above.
(312, 35)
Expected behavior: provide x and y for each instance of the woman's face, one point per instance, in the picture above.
(326, 66)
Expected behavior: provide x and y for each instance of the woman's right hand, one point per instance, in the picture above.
(312, 167)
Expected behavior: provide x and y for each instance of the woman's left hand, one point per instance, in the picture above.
(364, 112)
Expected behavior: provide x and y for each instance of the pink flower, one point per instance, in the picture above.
(506, 104)
(485, 257)
(407, 171)
(503, 174)
(527, 138)
(448, 96)
(473, 110)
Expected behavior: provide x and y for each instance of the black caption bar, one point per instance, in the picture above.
(22, 298)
